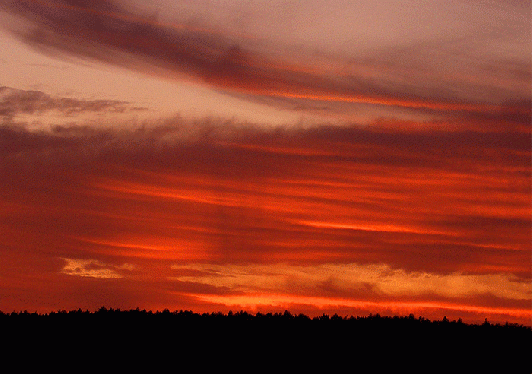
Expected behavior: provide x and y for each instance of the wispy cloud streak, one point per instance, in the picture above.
(15, 103)
(108, 31)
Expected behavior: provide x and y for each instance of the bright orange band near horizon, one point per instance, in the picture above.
(292, 302)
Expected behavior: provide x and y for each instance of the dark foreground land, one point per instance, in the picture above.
(137, 338)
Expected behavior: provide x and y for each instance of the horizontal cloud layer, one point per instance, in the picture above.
(207, 214)
(348, 280)
(456, 74)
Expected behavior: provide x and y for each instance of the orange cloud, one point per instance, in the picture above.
(346, 278)
(93, 268)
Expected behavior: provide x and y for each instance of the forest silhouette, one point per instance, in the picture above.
(388, 342)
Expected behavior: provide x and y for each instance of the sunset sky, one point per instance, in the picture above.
(320, 156)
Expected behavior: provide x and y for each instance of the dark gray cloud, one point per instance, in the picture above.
(14, 102)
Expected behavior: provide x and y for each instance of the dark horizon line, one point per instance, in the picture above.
(396, 340)
(242, 314)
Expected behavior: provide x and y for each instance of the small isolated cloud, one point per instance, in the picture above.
(15, 103)
(94, 268)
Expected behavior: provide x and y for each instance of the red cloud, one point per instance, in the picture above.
(449, 204)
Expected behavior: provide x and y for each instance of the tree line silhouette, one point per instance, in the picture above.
(390, 341)
(108, 315)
